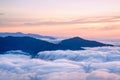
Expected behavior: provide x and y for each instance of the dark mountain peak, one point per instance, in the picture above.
(73, 40)
(26, 44)
(76, 38)
(80, 42)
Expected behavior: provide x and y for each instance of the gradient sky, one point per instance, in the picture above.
(98, 19)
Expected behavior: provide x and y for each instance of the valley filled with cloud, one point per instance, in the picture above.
(99, 63)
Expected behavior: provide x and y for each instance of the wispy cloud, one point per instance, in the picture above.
(77, 21)
(110, 28)
(87, 20)
(103, 28)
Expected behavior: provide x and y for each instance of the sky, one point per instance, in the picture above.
(99, 19)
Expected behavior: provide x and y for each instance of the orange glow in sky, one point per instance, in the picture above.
(98, 19)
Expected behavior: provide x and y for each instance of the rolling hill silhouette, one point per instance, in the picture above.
(33, 46)
(80, 42)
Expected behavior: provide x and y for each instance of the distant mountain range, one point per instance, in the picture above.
(20, 34)
(33, 46)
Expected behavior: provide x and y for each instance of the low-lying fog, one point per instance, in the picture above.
(101, 63)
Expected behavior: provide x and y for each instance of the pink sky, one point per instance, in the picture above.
(63, 18)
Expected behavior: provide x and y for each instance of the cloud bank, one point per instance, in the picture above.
(102, 63)
(101, 54)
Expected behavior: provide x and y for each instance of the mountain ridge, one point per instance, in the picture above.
(80, 42)
(33, 46)
(20, 34)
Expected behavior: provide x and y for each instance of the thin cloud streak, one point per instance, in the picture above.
(89, 20)
(110, 28)
(77, 21)
(103, 28)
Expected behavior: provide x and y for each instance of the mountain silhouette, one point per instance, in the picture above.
(77, 42)
(33, 46)
(20, 34)
(26, 44)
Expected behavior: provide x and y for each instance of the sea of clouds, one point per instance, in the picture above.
(101, 63)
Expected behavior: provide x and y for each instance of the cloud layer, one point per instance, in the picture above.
(94, 54)
(101, 63)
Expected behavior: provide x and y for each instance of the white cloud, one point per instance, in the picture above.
(99, 54)
(101, 63)
(102, 75)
